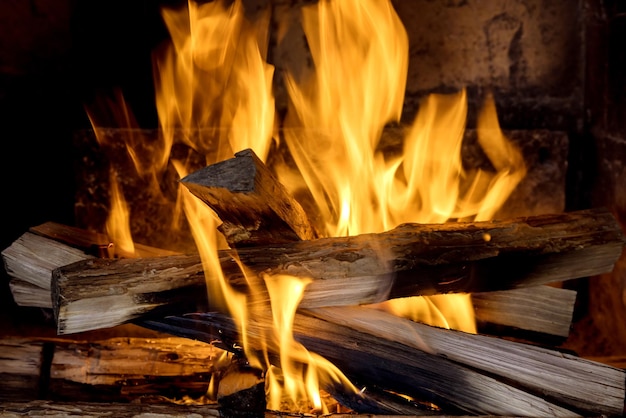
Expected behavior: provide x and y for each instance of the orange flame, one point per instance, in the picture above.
(213, 77)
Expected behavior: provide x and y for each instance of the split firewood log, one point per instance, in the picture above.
(541, 309)
(117, 369)
(453, 370)
(254, 207)
(412, 259)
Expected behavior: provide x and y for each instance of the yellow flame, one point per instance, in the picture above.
(117, 223)
(301, 371)
(360, 53)
(213, 78)
(214, 74)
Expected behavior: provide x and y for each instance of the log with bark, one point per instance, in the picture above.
(412, 259)
(119, 369)
(548, 313)
(254, 207)
(156, 370)
(455, 371)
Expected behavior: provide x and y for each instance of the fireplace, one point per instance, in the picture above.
(555, 71)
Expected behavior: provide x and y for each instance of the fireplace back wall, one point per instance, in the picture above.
(551, 65)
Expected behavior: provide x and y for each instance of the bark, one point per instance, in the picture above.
(115, 369)
(454, 370)
(409, 260)
(254, 207)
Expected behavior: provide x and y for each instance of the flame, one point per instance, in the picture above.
(213, 77)
(360, 52)
(214, 74)
(118, 224)
(300, 370)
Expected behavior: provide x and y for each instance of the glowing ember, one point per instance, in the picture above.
(214, 74)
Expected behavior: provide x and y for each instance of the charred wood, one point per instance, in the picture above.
(254, 207)
(453, 370)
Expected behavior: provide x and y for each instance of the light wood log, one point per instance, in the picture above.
(369, 361)
(26, 294)
(254, 207)
(32, 258)
(409, 260)
(476, 374)
(538, 309)
(156, 370)
(118, 369)
(548, 312)
(93, 243)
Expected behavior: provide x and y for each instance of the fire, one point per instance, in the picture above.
(214, 75)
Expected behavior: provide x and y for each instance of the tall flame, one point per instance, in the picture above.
(213, 77)
(360, 53)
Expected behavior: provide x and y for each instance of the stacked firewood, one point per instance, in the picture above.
(508, 266)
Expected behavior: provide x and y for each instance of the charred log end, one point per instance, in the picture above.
(241, 393)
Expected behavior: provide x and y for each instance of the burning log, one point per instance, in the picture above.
(453, 370)
(128, 410)
(549, 310)
(541, 309)
(255, 208)
(409, 260)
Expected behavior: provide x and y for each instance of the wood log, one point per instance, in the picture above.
(114, 369)
(454, 370)
(90, 242)
(94, 409)
(409, 260)
(30, 260)
(254, 207)
(538, 309)
(20, 368)
(152, 370)
(548, 312)
(26, 294)
(243, 191)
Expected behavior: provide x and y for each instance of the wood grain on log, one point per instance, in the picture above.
(411, 259)
(542, 309)
(453, 370)
(33, 257)
(30, 260)
(90, 242)
(115, 369)
(26, 294)
(104, 410)
(254, 207)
